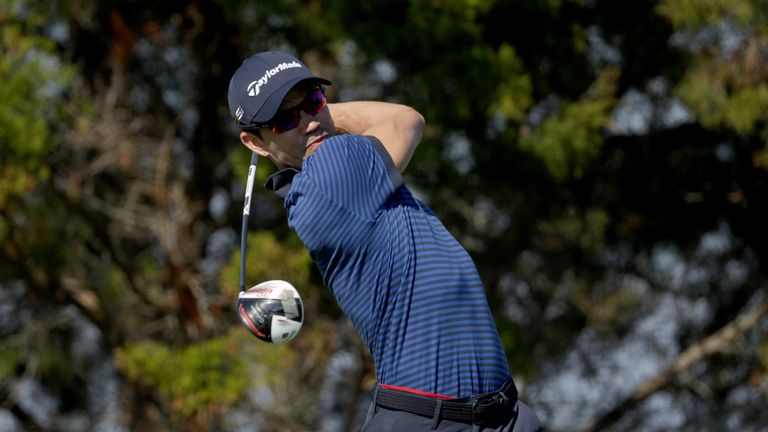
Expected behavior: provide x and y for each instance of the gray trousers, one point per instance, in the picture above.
(520, 419)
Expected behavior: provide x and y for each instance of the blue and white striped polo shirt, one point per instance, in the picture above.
(410, 289)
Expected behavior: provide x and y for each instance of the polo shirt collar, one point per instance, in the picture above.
(280, 182)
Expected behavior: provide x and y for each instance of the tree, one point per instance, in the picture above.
(604, 163)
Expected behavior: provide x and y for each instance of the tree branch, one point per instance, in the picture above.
(719, 341)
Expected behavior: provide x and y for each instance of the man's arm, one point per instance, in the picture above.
(398, 127)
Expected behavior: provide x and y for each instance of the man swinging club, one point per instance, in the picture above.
(410, 289)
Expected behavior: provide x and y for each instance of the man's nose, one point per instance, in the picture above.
(308, 122)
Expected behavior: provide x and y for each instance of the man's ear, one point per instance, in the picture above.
(254, 143)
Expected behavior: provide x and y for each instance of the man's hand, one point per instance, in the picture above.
(398, 127)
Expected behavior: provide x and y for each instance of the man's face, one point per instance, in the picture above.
(290, 148)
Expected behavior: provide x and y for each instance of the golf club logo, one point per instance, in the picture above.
(239, 113)
(254, 88)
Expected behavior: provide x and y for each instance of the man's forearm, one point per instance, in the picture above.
(398, 127)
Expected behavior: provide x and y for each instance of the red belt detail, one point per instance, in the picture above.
(414, 391)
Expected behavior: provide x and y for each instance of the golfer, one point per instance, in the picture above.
(410, 289)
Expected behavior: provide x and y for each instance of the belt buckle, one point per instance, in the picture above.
(483, 410)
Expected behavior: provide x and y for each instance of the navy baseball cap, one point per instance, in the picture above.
(259, 85)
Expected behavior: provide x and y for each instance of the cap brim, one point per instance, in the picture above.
(272, 104)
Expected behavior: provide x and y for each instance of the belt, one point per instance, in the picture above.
(477, 409)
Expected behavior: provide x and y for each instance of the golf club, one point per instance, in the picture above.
(272, 310)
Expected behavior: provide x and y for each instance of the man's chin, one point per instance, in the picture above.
(314, 146)
(311, 149)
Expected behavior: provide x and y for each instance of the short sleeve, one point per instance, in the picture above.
(340, 192)
(353, 172)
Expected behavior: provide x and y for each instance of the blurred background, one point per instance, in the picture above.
(604, 162)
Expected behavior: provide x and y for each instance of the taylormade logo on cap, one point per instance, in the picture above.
(259, 85)
(255, 86)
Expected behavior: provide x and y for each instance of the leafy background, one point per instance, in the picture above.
(605, 163)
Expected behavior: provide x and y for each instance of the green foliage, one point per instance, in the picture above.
(57, 371)
(193, 378)
(271, 365)
(240, 160)
(513, 93)
(692, 13)
(614, 309)
(215, 374)
(516, 344)
(725, 91)
(32, 80)
(9, 361)
(22, 128)
(29, 74)
(269, 258)
(570, 142)
(445, 19)
(762, 353)
(719, 100)
(746, 108)
(761, 158)
(584, 232)
(311, 31)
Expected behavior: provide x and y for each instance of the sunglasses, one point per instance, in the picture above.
(289, 118)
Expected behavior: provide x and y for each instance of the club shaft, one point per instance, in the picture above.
(246, 213)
